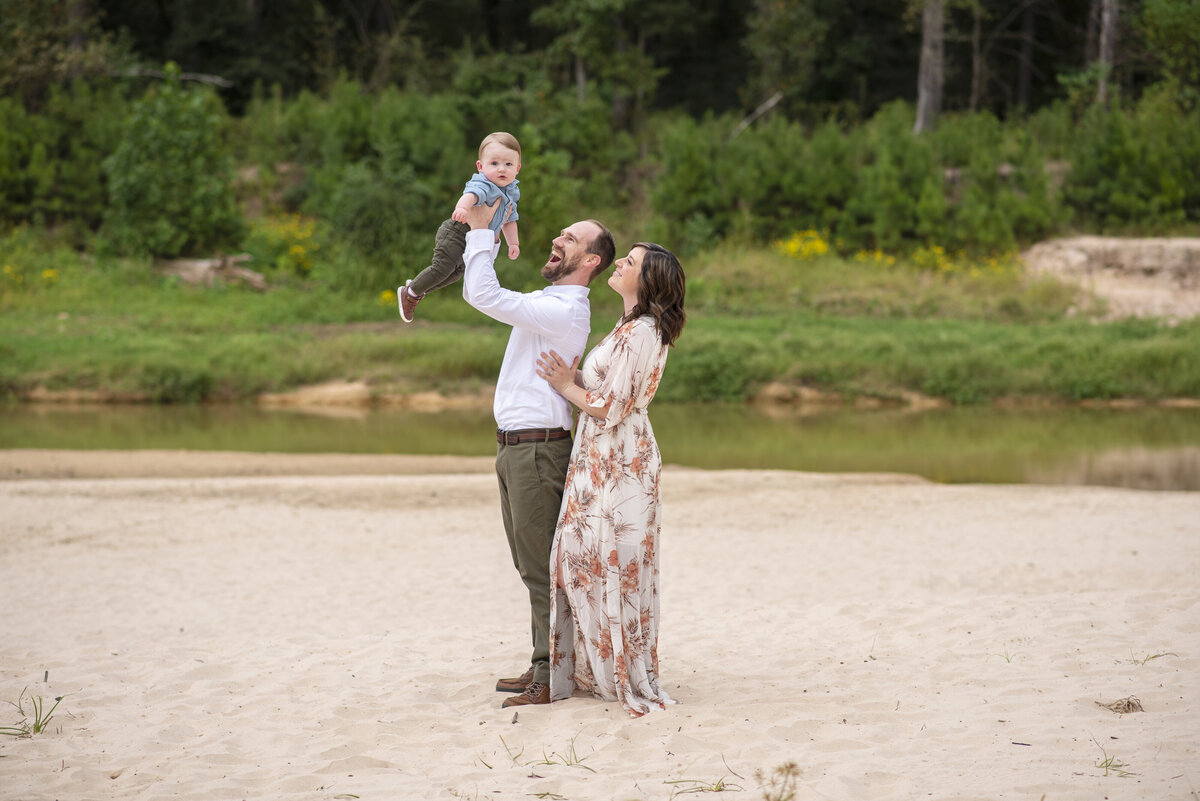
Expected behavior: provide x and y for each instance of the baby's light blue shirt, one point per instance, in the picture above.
(488, 192)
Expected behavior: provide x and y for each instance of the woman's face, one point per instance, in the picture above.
(625, 274)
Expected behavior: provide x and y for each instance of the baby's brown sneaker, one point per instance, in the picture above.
(535, 693)
(516, 685)
(408, 301)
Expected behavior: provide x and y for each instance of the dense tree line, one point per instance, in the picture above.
(704, 119)
(823, 57)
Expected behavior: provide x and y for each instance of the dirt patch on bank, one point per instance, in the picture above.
(1157, 277)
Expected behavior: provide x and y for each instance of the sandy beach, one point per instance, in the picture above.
(236, 626)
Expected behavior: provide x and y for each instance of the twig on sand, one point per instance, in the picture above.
(1123, 706)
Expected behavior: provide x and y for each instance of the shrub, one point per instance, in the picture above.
(689, 193)
(175, 383)
(878, 187)
(958, 136)
(1136, 169)
(50, 162)
(760, 185)
(29, 264)
(599, 156)
(705, 367)
(378, 215)
(19, 135)
(549, 202)
(386, 206)
(1172, 31)
(882, 209)
(515, 92)
(170, 178)
(1052, 129)
(261, 132)
(982, 216)
(764, 172)
(286, 244)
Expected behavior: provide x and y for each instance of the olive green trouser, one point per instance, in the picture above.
(532, 477)
(447, 266)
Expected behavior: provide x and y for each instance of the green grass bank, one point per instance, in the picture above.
(969, 332)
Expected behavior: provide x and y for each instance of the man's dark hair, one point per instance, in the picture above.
(603, 246)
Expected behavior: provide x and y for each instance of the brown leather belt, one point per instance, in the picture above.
(531, 435)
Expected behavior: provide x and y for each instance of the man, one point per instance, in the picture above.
(533, 421)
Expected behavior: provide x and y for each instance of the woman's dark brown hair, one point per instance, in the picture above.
(660, 291)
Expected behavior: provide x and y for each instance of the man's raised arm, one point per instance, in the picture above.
(543, 314)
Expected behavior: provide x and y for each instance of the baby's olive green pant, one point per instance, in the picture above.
(446, 267)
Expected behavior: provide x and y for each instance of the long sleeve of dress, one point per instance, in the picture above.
(631, 376)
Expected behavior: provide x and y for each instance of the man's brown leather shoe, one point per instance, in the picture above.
(534, 694)
(516, 685)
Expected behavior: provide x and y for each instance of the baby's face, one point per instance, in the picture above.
(499, 164)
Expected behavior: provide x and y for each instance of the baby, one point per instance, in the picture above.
(498, 165)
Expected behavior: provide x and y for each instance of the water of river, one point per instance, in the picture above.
(1146, 448)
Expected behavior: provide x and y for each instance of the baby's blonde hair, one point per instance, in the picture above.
(502, 138)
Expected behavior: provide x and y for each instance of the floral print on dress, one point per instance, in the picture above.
(604, 563)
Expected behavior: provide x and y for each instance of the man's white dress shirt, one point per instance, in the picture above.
(556, 318)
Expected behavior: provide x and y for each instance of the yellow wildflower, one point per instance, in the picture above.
(804, 245)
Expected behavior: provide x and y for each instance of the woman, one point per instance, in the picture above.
(604, 563)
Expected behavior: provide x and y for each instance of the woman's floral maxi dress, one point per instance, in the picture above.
(604, 611)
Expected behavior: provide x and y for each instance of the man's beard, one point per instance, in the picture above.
(553, 272)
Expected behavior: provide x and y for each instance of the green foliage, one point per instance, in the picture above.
(971, 331)
(983, 212)
(32, 265)
(1136, 169)
(973, 184)
(387, 205)
(549, 203)
(596, 44)
(286, 245)
(45, 44)
(1052, 128)
(601, 159)
(260, 133)
(1080, 87)
(50, 162)
(773, 187)
(724, 366)
(959, 136)
(689, 191)
(499, 91)
(173, 382)
(170, 177)
(783, 40)
(1172, 32)
(41, 716)
(882, 210)
(1031, 205)
(378, 214)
